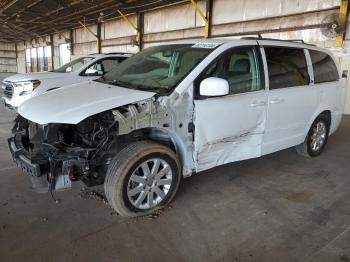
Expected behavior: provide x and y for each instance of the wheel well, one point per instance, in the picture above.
(328, 116)
(155, 135)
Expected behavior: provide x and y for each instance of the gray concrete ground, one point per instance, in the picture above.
(280, 207)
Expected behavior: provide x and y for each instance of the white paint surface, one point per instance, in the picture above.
(72, 104)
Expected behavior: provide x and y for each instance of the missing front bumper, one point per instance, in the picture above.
(22, 161)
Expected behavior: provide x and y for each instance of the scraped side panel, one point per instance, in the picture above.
(228, 129)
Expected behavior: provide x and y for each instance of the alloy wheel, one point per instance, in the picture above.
(149, 183)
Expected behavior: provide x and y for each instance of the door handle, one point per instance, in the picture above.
(258, 103)
(277, 101)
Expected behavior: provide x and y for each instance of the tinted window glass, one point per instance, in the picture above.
(324, 67)
(239, 67)
(158, 68)
(109, 63)
(74, 65)
(287, 67)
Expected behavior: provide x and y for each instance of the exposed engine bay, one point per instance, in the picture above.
(57, 154)
(76, 152)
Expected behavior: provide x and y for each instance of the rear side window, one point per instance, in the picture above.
(324, 67)
(287, 67)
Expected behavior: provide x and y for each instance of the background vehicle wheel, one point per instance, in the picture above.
(142, 178)
(316, 139)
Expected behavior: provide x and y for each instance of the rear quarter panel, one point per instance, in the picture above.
(329, 99)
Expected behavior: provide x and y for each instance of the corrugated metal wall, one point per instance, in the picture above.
(7, 58)
(284, 17)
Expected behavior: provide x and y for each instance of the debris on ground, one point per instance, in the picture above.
(94, 194)
(113, 213)
(155, 215)
(98, 195)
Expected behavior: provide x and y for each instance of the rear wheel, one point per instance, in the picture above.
(142, 178)
(316, 139)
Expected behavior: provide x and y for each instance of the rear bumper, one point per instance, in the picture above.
(22, 161)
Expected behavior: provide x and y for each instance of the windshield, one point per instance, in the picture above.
(158, 68)
(74, 65)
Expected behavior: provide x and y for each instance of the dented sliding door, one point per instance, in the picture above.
(231, 128)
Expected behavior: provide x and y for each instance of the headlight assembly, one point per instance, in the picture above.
(26, 87)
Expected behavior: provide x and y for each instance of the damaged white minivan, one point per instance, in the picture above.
(177, 109)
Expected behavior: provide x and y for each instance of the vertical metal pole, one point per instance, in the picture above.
(209, 14)
(37, 59)
(342, 22)
(16, 49)
(140, 27)
(98, 37)
(71, 38)
(204, 18)
(52, 51)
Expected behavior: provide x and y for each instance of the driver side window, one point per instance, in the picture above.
(239, 67)
(95, 69)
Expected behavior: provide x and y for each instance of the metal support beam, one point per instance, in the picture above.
(71, 42)
(99, 46)
(204, 18)
(52, 51)
(140, 26)
(137, 30)
(8, 5)
(209, 11)
(97, 36)
(62, 35)
(343, 12)
(16, 50)
(88, 29)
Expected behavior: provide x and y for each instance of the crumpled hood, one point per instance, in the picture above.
(35, 76)
(72, 104)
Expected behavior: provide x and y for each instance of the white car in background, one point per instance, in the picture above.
(20, 87)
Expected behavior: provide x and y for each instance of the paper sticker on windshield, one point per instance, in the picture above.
(205, 45)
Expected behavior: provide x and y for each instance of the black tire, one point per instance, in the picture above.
(124, 164)
(305, 149)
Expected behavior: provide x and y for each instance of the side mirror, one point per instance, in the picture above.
(214, 86)
(345, 74)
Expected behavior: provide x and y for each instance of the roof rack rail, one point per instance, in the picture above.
(116, 53)
(280, 40)
(112, 53)
(258, 36)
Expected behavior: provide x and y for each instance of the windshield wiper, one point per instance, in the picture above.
(101, 79)
(147, 88)
(119, 83)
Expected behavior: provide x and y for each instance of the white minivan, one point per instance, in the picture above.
(20, 87)
(177, 109)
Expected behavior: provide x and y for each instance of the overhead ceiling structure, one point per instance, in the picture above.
(25, 19)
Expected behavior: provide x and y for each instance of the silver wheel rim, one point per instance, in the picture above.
(149, 183)
(318, 136)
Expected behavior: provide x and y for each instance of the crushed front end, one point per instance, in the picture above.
(54, 155)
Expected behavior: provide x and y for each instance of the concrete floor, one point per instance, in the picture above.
(281, 207)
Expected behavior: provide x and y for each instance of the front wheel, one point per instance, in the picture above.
(142, 178)
(316, 139)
